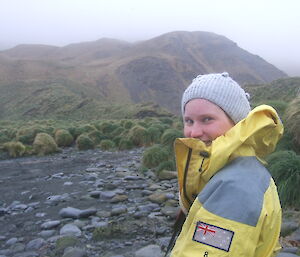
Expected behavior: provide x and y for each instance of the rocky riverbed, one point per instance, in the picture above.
(92, 203)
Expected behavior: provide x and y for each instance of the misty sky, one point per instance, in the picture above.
(268, 28)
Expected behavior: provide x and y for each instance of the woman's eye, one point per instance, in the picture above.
(206, 119)
(188, 121)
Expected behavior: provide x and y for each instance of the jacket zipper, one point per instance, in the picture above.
(185, 176)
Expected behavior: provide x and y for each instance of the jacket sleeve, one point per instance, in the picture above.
(233, 216)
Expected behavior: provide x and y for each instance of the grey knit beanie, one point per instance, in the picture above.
(221, 90)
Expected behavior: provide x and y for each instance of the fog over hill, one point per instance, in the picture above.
(114, 71)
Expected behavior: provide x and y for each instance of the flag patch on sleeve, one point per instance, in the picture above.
(214, 236)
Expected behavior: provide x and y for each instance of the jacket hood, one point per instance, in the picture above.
(256, 135)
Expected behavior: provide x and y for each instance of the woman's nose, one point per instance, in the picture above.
(196, 131)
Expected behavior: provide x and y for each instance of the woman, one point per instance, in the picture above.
(229, 198)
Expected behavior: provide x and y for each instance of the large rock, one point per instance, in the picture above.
(167, 175)
(74, 213)
(50, 224)
(70, 230)
(119, 198)
(170, 211)
(158, 197)
(118, 210)
(69, 212)
(35, 244)
(87, 213)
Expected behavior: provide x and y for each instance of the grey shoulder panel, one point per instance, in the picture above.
(237, 191)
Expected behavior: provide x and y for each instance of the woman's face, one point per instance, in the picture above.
(205, 120)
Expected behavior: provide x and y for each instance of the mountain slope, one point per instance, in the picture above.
(116, 72)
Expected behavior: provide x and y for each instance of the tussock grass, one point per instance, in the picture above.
(167, 165)
(26, 135)
(107, 144)
(155, 134)
(154, 156)
(169, 136)
(139, 136)
(4, 136)
(292, 118)
(96, 136)
(125, 144)
(285, 169)
(117, 131)
(106, 127)
(127, 124)
(84, 142)
(63, 138)
(14, 149)
(44, 144)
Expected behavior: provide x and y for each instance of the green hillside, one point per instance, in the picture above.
(282, 89)
(278, 93)
(63, 99)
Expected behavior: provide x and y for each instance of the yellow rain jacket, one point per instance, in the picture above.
(230, 199)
